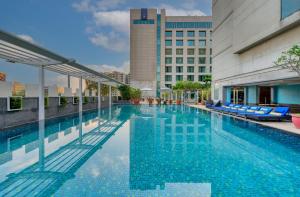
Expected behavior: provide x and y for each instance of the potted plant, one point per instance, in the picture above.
(290, 60)
(296, 120)
(150, 101)
(136, 96)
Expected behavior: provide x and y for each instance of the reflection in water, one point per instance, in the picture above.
(159, 151)
(63, 146)
(166, 147)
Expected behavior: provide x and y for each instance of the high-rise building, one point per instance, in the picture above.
(166, 49)
(119, 76)
(248, 36)
(2, 76)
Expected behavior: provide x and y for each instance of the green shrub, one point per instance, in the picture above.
(46, 102)
(63, 101)
(15, 103)
(85, 100)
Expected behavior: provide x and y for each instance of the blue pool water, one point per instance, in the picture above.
(148, 151)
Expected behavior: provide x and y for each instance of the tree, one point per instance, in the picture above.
(290, 59)
(135, 93)
(125, 92)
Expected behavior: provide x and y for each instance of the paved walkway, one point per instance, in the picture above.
(286, 126)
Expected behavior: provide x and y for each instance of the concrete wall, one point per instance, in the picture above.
(29, 113)
(248, 36)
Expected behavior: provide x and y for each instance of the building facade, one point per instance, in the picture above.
(119, 76)
(166, 49)
(248, 36)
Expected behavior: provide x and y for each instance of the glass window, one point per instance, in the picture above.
(191, 51)
(168, 42)
(190, 69)
(168, 86)
(191, 33)
(179, 69)
(202, 69)
(191, 42)
(202, 33)
(168, 69)
(168, 51)
(202, 51)
(168, 78)
(179, 33)
(179, 60)
(168, 33)
(210, 60)
(191, 60)
(179, 42)
(202, 43)
(210, 51)
(179, 51)
(210, 69)
(201, 77)
(168, 60)
(288, 7)
(179, 77)
(202, 60)
(190, 77)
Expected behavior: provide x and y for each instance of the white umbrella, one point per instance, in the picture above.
(144, 90)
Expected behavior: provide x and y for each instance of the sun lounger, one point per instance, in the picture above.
(278, 114)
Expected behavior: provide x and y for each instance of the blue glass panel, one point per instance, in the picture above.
(179, 42)
(191, 33)
(179, 33)
(143, 22)
(173, 25)
(168, 42)
(158, 52)
(288, 7)
(191, 42)
(168, 33)
(202, 33)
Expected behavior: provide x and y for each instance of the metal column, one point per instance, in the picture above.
(109, 96)
(41, 93)
(80, 94)
(69, 82)
(99, 95)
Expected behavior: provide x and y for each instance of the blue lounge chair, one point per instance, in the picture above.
(224, 107)
(212, 105)
(234, 109)
(250, 110)
(240, 110)
(278, 114)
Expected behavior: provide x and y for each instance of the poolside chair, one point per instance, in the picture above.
(233, 109)
(211, 104)
(224, 107)
(250, 110)
(277, 114)
(243, 108)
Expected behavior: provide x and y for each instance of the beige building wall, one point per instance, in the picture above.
(143, 51)
(248, 36)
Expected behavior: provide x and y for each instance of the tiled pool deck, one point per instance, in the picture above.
(286, 126)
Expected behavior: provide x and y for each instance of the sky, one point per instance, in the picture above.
(94, 32)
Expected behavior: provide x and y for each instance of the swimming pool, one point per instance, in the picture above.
(149, 151)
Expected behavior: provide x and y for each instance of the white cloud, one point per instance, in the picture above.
(83, 6)
(118, 20)
(108, 68)
(109, 4)
(27, 38)
(111, 41)
(172, 11)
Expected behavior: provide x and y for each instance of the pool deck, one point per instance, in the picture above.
(286, 126)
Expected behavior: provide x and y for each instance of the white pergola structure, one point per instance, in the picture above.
(16, 50)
